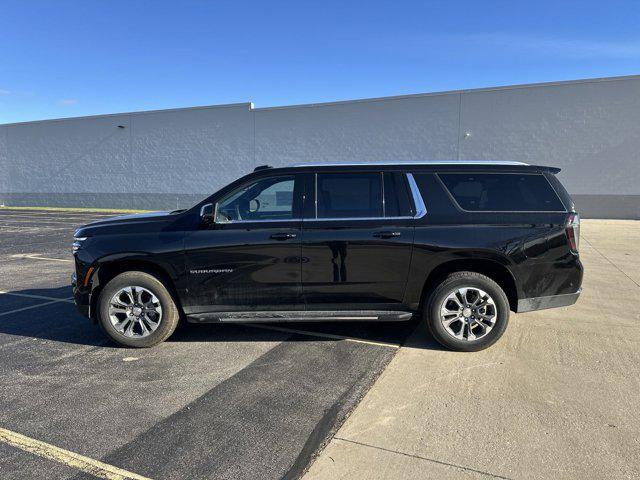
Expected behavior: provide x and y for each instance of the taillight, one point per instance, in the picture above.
(573, 231)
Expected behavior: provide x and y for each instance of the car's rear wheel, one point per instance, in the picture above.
(467, 312)
(137, 310)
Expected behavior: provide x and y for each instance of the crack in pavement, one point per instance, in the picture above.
(432, 460)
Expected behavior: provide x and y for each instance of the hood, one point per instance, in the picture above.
(136, 222)
(132, 217)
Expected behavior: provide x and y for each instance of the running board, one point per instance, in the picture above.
(301, 316)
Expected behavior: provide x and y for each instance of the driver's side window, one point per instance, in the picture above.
(266, 199)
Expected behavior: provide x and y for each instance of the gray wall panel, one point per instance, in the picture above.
(191, 151)
(412, 128)
(4, 162)
(591, 130)
(116, 201)
(608, 206)
(74, 155)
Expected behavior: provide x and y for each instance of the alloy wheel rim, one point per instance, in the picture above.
(135, 312)
(468, 313)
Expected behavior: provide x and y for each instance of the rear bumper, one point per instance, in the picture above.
(553, 301)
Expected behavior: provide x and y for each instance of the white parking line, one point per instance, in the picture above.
(29, 295)
(65, 457)
(42, 222)
(62, 300)
(321, 335)
(24, 213)
(36, 256)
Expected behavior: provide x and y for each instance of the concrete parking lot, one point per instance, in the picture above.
(555, 398)
(216, 401)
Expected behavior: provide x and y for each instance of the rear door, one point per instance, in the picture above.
(356, 240)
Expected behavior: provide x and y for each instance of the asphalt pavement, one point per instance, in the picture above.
(214, 401)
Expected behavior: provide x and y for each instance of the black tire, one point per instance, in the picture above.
(461, 280)
(170, 315)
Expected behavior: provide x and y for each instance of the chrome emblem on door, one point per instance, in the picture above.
(205, 271)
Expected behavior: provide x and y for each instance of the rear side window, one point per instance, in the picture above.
(502, 192)
(561, 191)
(349, 195)
(396, 195)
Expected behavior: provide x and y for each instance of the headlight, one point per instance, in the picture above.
(77, 243)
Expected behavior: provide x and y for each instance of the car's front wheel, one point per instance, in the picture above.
(467, 312)
(137, 310)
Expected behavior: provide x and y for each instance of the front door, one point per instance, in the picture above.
(250, 258)
(356, 246)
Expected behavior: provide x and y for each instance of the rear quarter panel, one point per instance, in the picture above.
(532, 246)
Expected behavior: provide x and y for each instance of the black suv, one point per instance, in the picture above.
(461, 242)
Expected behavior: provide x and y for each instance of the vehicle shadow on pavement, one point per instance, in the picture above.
(391, 333)
(46, 314)
(42, 313)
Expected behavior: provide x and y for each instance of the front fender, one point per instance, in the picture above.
(102, 257)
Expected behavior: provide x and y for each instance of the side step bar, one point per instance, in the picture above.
(301, 316)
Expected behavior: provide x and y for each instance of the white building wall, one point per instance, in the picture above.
(165, 159)
(410, 128)
(589, 129)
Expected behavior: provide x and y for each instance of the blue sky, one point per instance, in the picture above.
(68, 58)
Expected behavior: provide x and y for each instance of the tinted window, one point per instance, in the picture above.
(561, 191)
(396, 196)
(502, 192)
(265, 199)
(349, 195)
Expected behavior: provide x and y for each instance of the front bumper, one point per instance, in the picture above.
(80, 298)
(542, 303)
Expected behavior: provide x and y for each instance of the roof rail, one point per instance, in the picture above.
(261, 167)
(420, 162)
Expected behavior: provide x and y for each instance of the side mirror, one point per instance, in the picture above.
(208, 214)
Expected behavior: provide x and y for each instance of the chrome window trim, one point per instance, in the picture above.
(354, 218)
(384, 206)
(292, 220)
(261, 221)
(315, 191)
(421, 209)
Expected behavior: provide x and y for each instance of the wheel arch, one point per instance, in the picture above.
(109, 269)
(496, 271)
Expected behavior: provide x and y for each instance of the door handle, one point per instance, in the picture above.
(283, 236)
(386, 234)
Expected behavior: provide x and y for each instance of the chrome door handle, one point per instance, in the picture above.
(283, 236)
(386, 234)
